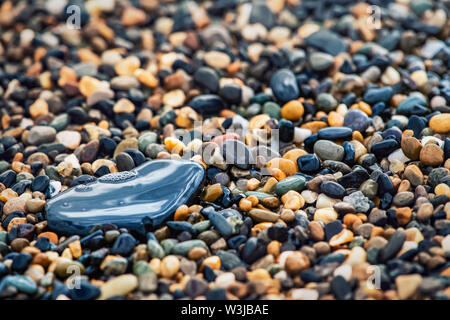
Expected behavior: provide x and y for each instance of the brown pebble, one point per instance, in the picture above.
(431, 155)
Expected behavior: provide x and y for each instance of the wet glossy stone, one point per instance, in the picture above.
(356, 120)
(207, 104)
(308, 163)
(353, 179)
(335, 133)
(332, 189)
(384, 148)
(133, 199)
(284, 85)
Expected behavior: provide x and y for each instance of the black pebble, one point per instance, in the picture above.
(40, 183)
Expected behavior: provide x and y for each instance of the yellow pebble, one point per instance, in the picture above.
(335, 119)
(253, 199)
(285, 165)
(39, 108)
(442, 188)
(342, 237)
(146, 78)
(292, 110)
(245, 205)
(325, 215)
(440, 123)
(258, 121)
(181, 213)
(75, 249)
(270, 185)
(173, 145)
(127, 66)
(253, 183)
(212, 192)
(213, 262)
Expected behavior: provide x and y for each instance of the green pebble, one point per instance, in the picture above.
(155, 250)
(295, 182)
(60, 122)
(209, 236)
(24, 176)
(259, 195)
(183, 248)
(140, 267)
(229, 260)
(420, 6)
(168, 244)
(260, 98)
(3, 236)
(146, 139)
(153, 149)
(4, 165)
(111, 235)
(4, 248)
(372, 255)
(274, 269)
(53, 173)
(47, 279)
(326, 102)
(202, 226)
(116, 266)
(272, 109)
(357, 242)
(167, 117)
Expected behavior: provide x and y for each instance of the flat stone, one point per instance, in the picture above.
(70, 139)
(356, 120)
(130, 199)
(41, 134)
(407, 285)
(328, 150)
(335, 133)
(327, 41)
(393, 246)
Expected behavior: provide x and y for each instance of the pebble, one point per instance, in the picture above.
(118, 286)
(284, 85)
(327, 150)
(58, 212)
(224, 150)
(356, 120)
(41, 134)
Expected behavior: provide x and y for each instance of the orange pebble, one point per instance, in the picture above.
(53, 237)
(335, 119)
(213, 262)
(181, 213)
(285, 165)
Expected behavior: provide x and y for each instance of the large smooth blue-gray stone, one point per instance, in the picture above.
(136, 199)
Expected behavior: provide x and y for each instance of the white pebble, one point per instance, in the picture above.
(426, 139)
(305, 294)
(324, 201)
(344, 271)
(301, 134)
(446, 244)
(398, 155)
(225, 279)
